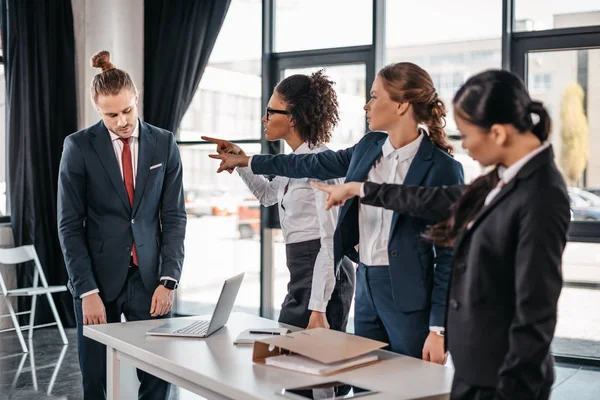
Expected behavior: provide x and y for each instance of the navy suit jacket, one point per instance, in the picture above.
(96, 222)
(419, 271)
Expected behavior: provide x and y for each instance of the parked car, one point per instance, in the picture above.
(593, 190)
(585, 206)
(248, 213)
(201, 202)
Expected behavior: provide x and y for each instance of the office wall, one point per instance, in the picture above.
(113, 25)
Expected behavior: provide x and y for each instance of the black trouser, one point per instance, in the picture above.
(134, 302)
(463, 391)
(301, 259)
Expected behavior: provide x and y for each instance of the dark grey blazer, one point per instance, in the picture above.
(96, 223)
(506, 276)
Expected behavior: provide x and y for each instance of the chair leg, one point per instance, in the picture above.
(57, 318)
(56, 368)
(15, 322)
(32, 315)
(16, 378)
(32, 366)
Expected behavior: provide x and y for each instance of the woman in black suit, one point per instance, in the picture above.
(509, 229)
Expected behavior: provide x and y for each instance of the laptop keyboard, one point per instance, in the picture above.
(196, 328)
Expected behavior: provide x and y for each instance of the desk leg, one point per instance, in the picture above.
(113, 375)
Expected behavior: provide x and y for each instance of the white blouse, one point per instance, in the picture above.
(303, 217)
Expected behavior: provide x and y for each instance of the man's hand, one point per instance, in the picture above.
(94, 312)
(317, 320)
(162, 301)
(433, 350)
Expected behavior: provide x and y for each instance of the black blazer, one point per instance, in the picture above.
(506, 276)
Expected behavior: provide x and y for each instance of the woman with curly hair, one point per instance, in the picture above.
(402, 281)
(302, 111)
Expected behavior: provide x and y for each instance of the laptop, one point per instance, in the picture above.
(203, 328)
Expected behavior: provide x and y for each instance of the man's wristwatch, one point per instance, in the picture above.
(169, 284)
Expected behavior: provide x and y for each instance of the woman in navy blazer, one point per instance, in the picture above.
(402, 281)
(510, 228)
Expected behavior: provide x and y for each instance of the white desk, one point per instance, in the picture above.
(215, 368)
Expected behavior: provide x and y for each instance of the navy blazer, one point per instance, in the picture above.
(96, 222)
(419, 271)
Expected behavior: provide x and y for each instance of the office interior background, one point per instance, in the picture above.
(553, 45)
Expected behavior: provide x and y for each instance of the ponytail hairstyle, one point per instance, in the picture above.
(407, 82)
(489, 98)
(313, 105)
(111, 80)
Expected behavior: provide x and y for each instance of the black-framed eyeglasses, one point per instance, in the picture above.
(274, 111)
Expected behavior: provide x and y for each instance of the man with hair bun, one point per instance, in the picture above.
(121, 222)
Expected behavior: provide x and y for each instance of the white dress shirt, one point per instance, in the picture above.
(118, 146)
(303, 217)
(375, 223)
(508, 174)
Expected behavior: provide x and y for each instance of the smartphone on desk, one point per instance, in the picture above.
(326, 391)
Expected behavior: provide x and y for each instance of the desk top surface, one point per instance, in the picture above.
(217, 364)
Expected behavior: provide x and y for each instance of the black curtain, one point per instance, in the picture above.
(178, 39)
(41, 110)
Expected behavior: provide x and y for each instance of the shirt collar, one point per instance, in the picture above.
(305, 148)
(508, 174)
(135, 133)
(405, 152)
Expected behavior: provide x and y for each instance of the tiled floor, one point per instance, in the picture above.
(51, 371)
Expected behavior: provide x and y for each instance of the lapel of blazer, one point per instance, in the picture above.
(102, 143)
(535, 163)
(418, 170)
(146, 147)
(367, 160)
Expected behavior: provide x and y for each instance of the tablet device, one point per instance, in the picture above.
(326, 391)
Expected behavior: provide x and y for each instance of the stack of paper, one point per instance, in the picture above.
(246, 337)
(300, 363)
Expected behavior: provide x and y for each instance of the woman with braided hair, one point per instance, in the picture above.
(402, 281)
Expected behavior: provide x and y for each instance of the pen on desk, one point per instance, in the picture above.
(264, 333)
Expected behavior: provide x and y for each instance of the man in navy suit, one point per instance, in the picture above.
(121, 221)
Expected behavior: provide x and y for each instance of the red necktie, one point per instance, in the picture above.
(128, 178)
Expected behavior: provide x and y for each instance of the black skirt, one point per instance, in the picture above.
(301, 259)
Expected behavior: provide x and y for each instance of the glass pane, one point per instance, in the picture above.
(316, 24)
(222, 237)
(536, 15)
(351, 91)
(471, 43)
(227, 102)
(568, 82)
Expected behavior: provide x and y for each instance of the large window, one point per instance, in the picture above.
(572, 96)
(227, 102)
(223, 217)
(318, 24)
(536, 15)
(449, 44)
(450, 40)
